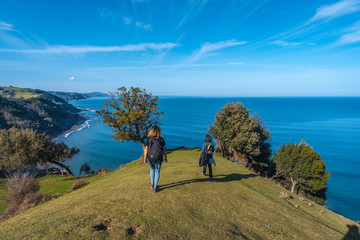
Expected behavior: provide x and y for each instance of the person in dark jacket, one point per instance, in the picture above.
(206, 157)
(157, 144)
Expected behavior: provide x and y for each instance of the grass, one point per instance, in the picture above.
(19, 92)
(236, 204)
(51, 185)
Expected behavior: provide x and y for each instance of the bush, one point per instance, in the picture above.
(303, 168)
(242, 137)
(103, 171)
(21, 193)
(79, 184)
(85, 168)
(18, 185)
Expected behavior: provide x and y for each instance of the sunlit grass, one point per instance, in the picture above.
(236, 204)
(20, 92)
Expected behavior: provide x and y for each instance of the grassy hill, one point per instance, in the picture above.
(236, 204)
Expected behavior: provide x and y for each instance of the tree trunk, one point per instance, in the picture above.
(143, 146)
(63, 166)
(293, 184)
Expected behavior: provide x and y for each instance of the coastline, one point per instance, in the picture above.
(78, 126)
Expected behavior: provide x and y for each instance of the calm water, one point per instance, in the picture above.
(330, 125)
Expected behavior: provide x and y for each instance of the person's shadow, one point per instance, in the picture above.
(217, 178)
(353, 233)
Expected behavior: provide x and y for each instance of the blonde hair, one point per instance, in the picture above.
(155, 131)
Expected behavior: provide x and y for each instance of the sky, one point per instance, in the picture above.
(183, 48)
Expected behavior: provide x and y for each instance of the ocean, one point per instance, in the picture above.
(331, 125)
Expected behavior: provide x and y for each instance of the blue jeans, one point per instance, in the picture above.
(155, 172)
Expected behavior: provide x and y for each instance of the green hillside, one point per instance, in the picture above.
(36, 109)
(236, 204)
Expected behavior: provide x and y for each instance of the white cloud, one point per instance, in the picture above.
(352, 35)
(6, 26)
(63, 49)
(157, 66)
(127, 20)
(72, 78)
(335, 10)
(282, 43)
(138, 24)
(235, 63)
(143, 25)
(208, 49)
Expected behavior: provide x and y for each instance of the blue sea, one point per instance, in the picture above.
(331, 125)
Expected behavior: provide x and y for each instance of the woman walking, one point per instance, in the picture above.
(154, 154)
(206, 158)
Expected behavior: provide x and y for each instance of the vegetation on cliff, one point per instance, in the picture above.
(37, 110)
(74, 96)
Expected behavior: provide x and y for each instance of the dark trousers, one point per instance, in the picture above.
(210, 169)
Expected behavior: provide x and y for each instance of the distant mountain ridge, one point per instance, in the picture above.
(74, 96)
(36, 109)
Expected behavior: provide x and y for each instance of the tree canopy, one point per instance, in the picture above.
(242, 135)
(22, 149)
(131, 113)
(304, 167)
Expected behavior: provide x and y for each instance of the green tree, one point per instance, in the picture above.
(21, 149)
(304, 168)
(242, 136)
(131, 114)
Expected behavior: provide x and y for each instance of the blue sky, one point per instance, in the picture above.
(178, 47)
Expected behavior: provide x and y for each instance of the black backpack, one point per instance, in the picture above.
(209, 151)
(154, 151)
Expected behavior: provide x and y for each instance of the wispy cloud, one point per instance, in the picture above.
(352, 35)
(7, 26)
(335, 10)
(130, 21)
(209, 49)
(63, 49)
(193, 10)
(282, 43)
(116, 17)
(156, 66)
(72, 78)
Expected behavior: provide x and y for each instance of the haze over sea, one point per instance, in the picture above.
(331, 125)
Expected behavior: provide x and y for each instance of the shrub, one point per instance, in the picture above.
(79, 184)
(85, 168)
(103, 171)
(242, 136)
(304, 168)
(18, 185)
(21, 193)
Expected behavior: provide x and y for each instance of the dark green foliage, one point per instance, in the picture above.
(246, 135)
(131, 114)
(36, 109)
(85, 168)
(304, 168)
(21, 149)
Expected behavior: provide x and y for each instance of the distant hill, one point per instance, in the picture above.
(36, 109)
(235, 204)
(74, 96)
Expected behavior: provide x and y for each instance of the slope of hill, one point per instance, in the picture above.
(36, 109)
(236, 204)
(73, 96)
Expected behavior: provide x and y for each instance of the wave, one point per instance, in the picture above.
(82, 126)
